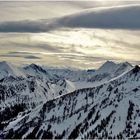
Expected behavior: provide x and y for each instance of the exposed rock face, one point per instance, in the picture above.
(109, 110)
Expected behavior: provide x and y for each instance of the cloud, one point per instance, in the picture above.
(83, 48)
(24, 26)
(32, 57)
(25, 55)
(119, 17)
(15, 11)
(21, 53)
(66, 56)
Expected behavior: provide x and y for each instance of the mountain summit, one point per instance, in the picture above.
(7, 69)
(110, 110)
(108, 66)
(106, 107)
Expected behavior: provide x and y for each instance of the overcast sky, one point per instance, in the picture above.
(22, 10)
(80, 46)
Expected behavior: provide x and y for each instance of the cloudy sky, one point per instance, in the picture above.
(70, 33)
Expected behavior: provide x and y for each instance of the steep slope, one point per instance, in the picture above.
(30, 91)
(59, 84)
(36, 70)
(122, 68)
(107, 67)
(23, 91)
(110, 70)
(107, 71)
(91, 78)
(71, 75)
(7, 69)
(111, 110)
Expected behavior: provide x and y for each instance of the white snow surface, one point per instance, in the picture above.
(104, 105)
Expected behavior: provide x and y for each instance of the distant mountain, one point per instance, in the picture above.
(110, 110)
(107, 67)
(38, 71)
(46, 103)
(70, 74)
(28, 87)
(7, 69)
(110, 70)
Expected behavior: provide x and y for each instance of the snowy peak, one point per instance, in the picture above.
(5, 65)
(122, 68)
(108, 111)
(131, 75)
(108, 66)
(35, 107)
(110, 70)
(136, 69)
(113, 68)
(125, 65)
(35, 70)
(7, 69)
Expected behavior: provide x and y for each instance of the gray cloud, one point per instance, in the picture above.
(32, 57)
(120, 17)
(83, 48)
(24, 26)
(20, 55)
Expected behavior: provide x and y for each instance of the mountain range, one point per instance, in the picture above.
(49, 103)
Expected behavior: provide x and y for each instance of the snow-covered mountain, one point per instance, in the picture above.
(111, 67)
(46, 105)
(110, 110)
(28, 87)
(110, 70)
(36, 70)
(7, 69)
(70, 74)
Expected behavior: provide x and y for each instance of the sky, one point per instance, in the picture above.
(78, 34)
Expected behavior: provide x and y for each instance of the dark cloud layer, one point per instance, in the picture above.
(23, 26)
(120, 17)
(20, 56)
(72, 45)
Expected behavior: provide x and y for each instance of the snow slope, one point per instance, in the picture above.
(50, 103)
(7, 69)
(70, 74)
(29, 87)
(111, 110)
(110, 70)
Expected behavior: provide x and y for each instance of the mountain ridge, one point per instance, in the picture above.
(55, 108)
(93, 106)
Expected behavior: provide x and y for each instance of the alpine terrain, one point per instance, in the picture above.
(53, 103)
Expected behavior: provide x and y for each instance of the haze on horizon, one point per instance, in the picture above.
(78, 47)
